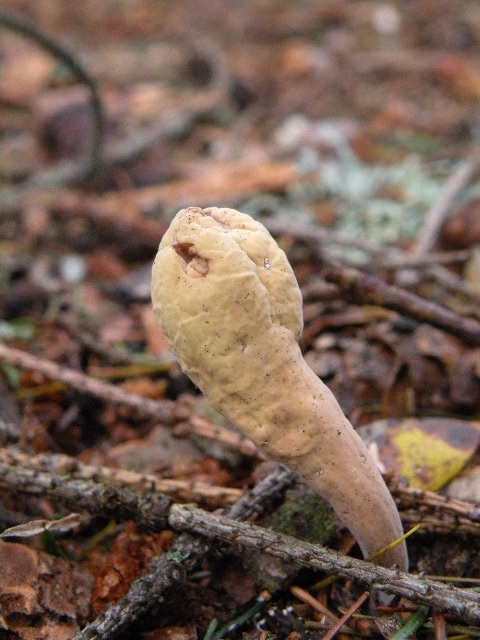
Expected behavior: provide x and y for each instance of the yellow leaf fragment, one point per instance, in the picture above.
(427, 452)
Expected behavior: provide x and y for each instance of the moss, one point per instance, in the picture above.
(304, 515)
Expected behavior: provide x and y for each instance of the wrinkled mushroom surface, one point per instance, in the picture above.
(227, 300)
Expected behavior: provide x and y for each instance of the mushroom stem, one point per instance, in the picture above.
(235, 329)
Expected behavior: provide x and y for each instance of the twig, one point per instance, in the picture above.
(332, 632)
(26, 28)
(315, 604)
(270, 488)
(164, 574)
(437, 512)
(437, 501)
(148, 509)
(311, 233)
(151, 510)
(439, 210)
(165, 411)
(393, 60)
(63, 465)
(462, 514)
(408, 261)
(161, 410)
(381, 256)
(439, 626)
(440, 524)
(186, 555)
(448, 599)
(199, 426)
(366, 289)
(452, 282)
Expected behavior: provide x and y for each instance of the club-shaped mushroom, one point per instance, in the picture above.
(227, 300)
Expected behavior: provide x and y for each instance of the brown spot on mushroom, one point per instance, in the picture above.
(194, 265)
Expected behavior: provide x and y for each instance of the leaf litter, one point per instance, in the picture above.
(313, 115)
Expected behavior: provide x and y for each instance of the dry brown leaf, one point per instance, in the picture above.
(130, 556)
(42, 596)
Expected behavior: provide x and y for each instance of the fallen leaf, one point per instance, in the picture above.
(34, 527)
(466, 486)
(131, 553)
(461, 74)
(427, 452)
(461, 229)
(41, 596)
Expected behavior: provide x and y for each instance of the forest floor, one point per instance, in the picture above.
(352, 130)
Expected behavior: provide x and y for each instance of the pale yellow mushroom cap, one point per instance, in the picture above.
(219, 276)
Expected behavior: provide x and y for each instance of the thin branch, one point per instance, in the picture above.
(117, 493)
(270, 488)
(443, 523)
(23, 26)
(409, 261)
(366, 289)
(438, 502)
(461, 513)
(148, 509)
(187, 555)
(161, 410)
(199, 426)
(164, 574)
(381, 256)
(332, 632)
(454, 283)
(183, 490)
(165, 411)
(448, 599)
(315, 604)
(437, 512)
(439, 210)
(151, 510)
(314, 233)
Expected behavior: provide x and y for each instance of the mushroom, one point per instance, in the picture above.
(226, 298)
